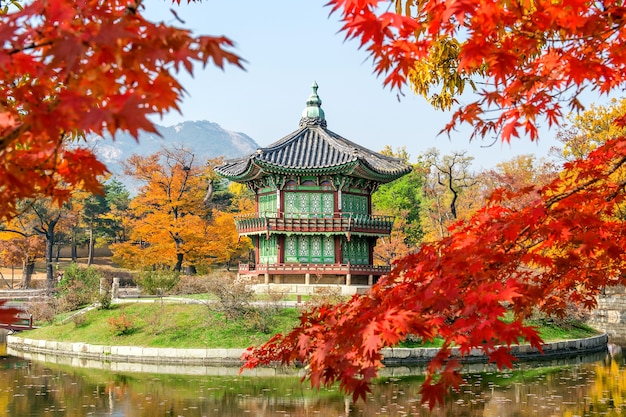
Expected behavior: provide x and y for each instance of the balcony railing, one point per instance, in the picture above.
(321, 269)
(315, 222)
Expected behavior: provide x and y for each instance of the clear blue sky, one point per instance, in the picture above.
(289, 44)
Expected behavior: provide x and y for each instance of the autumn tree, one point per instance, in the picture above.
(40, 218)
(71, 69)
(523, 60)
(518, 173)
(449, 188)
(168, 213)
(174, 220)
(590, 129)
(21, 245)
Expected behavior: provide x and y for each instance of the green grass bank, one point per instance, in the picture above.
(170, 325)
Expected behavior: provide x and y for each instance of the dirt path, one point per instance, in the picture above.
(38, 280)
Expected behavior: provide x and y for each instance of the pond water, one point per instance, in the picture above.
(591, 386)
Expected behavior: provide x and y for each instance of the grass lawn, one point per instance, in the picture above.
(167, 325)
(195, 326)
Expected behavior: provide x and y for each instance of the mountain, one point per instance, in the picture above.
(206, 139)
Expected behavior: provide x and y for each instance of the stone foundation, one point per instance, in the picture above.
(610, 315)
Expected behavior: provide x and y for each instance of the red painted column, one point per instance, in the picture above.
(280, 241)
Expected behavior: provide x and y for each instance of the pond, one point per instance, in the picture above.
(587, 386)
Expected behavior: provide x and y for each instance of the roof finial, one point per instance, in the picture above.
(313, 113)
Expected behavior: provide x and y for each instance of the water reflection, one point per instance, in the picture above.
(32, 388)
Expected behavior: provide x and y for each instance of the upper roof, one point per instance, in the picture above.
(313, 149)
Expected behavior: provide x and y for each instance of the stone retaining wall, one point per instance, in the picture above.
(231, 357)
(610, 315)
(563, 349)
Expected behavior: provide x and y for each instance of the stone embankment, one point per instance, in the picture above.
(147, 359)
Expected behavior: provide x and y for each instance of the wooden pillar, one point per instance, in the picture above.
(338, 256)
(280, 241)
(281, 202)
(348, 279)
(257, 245)
(267, 278)
(307, 279)
(370, 280)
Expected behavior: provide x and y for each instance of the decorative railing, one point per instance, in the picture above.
(322, 269)
(315, 222)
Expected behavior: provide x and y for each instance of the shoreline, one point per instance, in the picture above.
(227, 361)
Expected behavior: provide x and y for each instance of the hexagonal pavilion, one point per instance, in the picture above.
(313, 221)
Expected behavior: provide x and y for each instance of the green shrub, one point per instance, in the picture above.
(158, 282)
(78, 287)
(79, 320)
(104, 299)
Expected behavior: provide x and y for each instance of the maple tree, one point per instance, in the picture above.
(69, 69)
(539, 247)
(525, 60)
(73, 68)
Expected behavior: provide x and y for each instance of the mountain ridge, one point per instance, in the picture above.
(204, 138)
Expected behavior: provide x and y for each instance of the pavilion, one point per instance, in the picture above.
(313, 222)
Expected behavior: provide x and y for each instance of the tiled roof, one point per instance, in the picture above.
(314, 148)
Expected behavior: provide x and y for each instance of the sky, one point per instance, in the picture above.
(289, 44)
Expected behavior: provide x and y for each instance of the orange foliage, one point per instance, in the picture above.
(172, 221)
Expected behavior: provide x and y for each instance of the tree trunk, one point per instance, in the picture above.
(179, 262)
(28, 268)
(91, 246)
(50, 277)
(73, 245)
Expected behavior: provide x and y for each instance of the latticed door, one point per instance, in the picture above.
(309, 249)
(268, 250)
(268, 205)
(356, 251)
(354, 204)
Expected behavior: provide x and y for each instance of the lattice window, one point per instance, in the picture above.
(329, 249)
(316, 204)
(291, 249)
(303, 248)
(328, 203)
(316, 249)
(356, 251)
(303, 203)
(291, 204)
